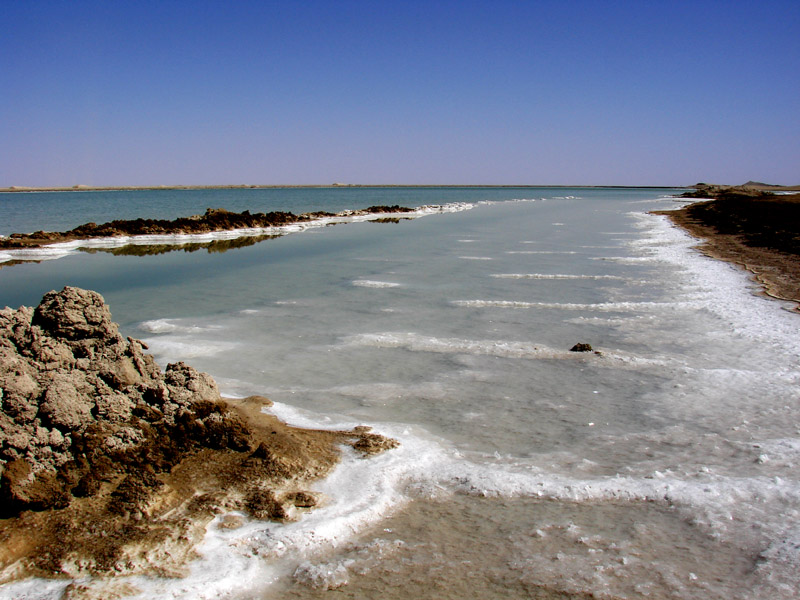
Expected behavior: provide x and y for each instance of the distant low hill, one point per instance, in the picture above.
(751, 185)
(759, 184)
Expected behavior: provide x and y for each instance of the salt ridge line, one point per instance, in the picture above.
(171, 326)
(724, 287)
(174, 348)
(633, 319)
(523, 477)
(553, 276)
(629, 260)
(369, 283)
(500, 348)
(542, 199)
(600, 306)
(62, 249)
(541, 252)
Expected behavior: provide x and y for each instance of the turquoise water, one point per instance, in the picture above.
(24, 212)
(668, 466)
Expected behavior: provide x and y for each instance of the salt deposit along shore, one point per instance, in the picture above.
(110, 467)
(757, 231)
(217, 230)
(214, 220)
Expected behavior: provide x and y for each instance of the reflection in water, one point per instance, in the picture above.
(215, 246)
(156, 249)
(390, 220)
(11, 263)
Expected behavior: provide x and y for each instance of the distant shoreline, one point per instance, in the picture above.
(126, 188)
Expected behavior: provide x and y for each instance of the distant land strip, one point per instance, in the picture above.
(120, 188)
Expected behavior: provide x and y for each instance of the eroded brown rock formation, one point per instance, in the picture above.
(214, 219)
(108, 464)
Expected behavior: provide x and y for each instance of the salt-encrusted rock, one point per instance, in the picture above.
(187, 385)
(74, 391)
(108, 465)
(74, 314)
(20, 391)
(68, 402)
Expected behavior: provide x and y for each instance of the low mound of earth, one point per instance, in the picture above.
(109, 465)
(213, 220)
(757, 230)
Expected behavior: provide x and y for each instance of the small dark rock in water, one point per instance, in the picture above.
(372, 443)
(581, 347)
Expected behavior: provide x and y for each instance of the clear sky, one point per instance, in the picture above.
(306, 92)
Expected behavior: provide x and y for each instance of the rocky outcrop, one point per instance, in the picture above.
(105, 460)
(214, 219)
(77, 397)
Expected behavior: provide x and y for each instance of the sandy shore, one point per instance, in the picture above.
(757, 233)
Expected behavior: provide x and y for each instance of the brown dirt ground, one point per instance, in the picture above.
(777, 272)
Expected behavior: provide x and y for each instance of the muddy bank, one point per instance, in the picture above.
(109, 465)
(758, 231)
(213, 220)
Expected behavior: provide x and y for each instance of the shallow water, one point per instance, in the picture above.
(465, 546)
(665, 467)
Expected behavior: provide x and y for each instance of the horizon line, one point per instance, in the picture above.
(87, 188)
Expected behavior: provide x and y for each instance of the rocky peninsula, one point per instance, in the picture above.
(753, 228)
(214, 219)
(110, 466)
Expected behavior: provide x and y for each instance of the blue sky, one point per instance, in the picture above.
(618, 93)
